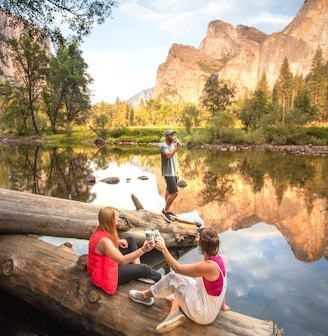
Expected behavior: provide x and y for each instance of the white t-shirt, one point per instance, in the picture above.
(169, 166)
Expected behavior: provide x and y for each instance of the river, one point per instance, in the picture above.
(270, 210)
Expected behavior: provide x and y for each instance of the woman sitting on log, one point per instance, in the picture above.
(113, 261)
(199, 288)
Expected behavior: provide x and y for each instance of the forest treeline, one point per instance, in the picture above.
(50, 94)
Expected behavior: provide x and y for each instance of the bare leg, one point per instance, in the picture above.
(146, 294)
(169, 198)
(224, 306)
(174, 306)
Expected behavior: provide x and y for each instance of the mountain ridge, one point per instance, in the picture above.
(242, 55)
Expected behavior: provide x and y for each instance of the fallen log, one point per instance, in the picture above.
(52, 279)
(43, 215)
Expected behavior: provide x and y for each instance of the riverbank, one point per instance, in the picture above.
(292, 149)
(310, 150)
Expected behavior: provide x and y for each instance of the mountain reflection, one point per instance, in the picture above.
(228, 190)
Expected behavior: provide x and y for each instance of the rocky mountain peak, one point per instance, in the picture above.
(243, 54)
(224, 40)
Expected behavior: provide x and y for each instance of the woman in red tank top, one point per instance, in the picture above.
(113, 261)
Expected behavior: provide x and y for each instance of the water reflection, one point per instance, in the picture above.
(276, 271)
(225, 189)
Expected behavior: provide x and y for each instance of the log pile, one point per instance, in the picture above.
(52, 279)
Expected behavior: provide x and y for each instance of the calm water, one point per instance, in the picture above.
(269, 208)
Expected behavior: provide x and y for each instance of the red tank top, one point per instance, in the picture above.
(102, 269)
(215, 287)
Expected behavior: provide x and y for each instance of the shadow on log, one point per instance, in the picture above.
(50, 277)
(43, 215)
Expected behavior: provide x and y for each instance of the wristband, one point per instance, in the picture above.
(143, 249)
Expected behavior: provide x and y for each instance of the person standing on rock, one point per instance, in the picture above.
(170, 173)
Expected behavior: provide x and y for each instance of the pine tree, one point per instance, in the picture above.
(284, 90)
(317, 84)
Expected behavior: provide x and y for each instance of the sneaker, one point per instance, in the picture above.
(171, 322)
(136, 297)
(172, 214)
(166, 216)
(147, 281)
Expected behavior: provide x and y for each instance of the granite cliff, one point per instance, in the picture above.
(243, 54)
(7, 30)
(6, 66)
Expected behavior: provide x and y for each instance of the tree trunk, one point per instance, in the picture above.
(43, 215)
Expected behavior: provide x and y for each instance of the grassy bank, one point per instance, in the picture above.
(315, 135)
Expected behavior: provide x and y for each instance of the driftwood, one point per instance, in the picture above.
(42, 215)
(51, 278)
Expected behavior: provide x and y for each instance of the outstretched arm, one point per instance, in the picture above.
(202, 268)
(106, 246)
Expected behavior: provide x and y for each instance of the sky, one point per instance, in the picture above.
(124, 53)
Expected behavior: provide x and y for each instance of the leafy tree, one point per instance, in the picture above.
(31, 62)
(217, 95)
(79, 16)
(151, 111)
(255, 108)
(190, 117)
(222, 123)
(303, 111)
(100, 114)
(121, 115)
(140, 114)
(167, 114)
(53, 92)
(74, 83)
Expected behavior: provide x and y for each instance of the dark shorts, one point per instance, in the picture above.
(171, 184)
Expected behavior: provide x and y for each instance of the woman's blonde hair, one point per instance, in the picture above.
(209, 241)
(107, 222)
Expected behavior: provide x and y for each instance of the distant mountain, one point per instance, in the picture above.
(142, 95)
(242, 55)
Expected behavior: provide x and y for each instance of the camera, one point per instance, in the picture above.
(153, 235)
(176, 140)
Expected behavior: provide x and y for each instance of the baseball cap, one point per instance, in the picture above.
(167, 132)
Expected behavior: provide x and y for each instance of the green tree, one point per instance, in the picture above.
(121, 114)
(284, 90)
(152, 106)
(303, 111)
(217, 95)
(53, 92)
(79, 16)
(317, 84)
(190, 117)
(31, 63)
(100, 114)
(254, 109)
(74, 83)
